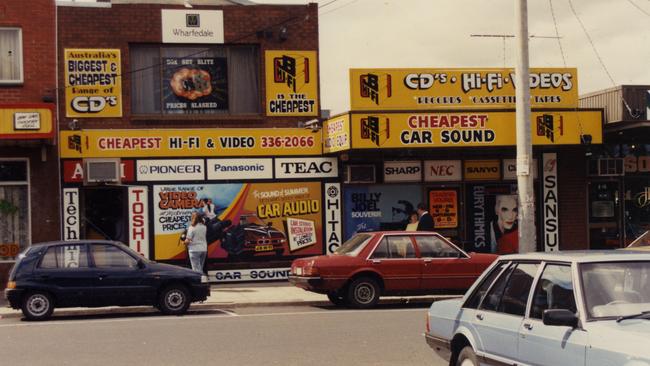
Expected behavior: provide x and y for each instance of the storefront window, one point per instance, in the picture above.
(14, 208)
(195, 80)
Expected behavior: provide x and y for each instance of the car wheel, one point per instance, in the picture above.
(363, 293)
(467, 357)
(174, 300)
(336, 299)
(37, 305)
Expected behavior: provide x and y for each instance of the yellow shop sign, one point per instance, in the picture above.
(190, 142)
(427, 89)
(336, 134)
(461, 129)
(291, 83)
(93, 83)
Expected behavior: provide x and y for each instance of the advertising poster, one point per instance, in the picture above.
(93, 83)
(372, 208)
(443, 206)
(291, 83)
(492, 215)
(247, 221)
(195, 85)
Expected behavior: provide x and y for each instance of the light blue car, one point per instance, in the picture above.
(564, 308)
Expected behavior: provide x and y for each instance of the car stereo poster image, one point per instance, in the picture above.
(371, 208)
(244, 221)
(195, 84)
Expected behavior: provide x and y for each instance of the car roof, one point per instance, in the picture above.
(582, 256)
(72, 242)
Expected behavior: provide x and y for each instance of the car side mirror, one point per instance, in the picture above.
(561, 317)
(141, 264)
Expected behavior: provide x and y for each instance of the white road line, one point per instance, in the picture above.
(229, 314)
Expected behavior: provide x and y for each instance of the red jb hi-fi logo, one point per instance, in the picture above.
(375, 130)
(549, 127)
(285, 71)
(370, 87)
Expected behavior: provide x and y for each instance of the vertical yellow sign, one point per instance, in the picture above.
(93, 83)
(291, 83)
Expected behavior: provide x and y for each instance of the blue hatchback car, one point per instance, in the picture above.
(563, 308)
(97, 273)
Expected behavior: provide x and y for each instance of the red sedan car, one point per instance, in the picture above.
(370, 265)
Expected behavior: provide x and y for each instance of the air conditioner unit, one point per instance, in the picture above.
(606, 167)
(360, 174)
(102, 171)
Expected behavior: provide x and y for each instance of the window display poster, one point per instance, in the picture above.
(443, 206)
(245, 221)
(379, 207)
(492, 214)
(194, 85)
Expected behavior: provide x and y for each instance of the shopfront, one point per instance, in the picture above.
(270, 203)
(446, 138)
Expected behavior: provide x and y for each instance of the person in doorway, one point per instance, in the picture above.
(197, 245)
(208, 209)
(412, 224)
(504, 238)
(425, 222)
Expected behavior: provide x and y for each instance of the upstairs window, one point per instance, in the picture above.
(181, 80)
(11, 56)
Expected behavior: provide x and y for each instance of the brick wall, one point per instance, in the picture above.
(36, 19)
(123, 24)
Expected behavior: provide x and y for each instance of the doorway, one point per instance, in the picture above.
(605, 208)
(105, 214)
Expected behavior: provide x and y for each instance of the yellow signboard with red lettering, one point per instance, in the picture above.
(291, 83)
(189, 142)
(427, 89)
(336, 134)
(460, 129)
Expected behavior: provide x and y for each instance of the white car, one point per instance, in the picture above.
(564, 308)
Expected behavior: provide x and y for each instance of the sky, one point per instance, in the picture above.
(437, 34)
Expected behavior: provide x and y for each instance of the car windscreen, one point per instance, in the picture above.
(615, 289)
(354, 245)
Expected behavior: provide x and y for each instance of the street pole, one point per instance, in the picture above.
(527, 231)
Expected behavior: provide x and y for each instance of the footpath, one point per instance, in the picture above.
(230, 296)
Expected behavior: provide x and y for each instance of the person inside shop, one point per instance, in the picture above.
(197, 245)
(504, 237)
(425, 221)
(208, 209)
(412, 224)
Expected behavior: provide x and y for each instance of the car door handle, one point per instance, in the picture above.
(376, 261)
(101, 276)
(528, 326)
(479, 316)
(44, 277)
(427, 260)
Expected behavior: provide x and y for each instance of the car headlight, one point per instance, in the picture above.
(204, 279)
(297, 271)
